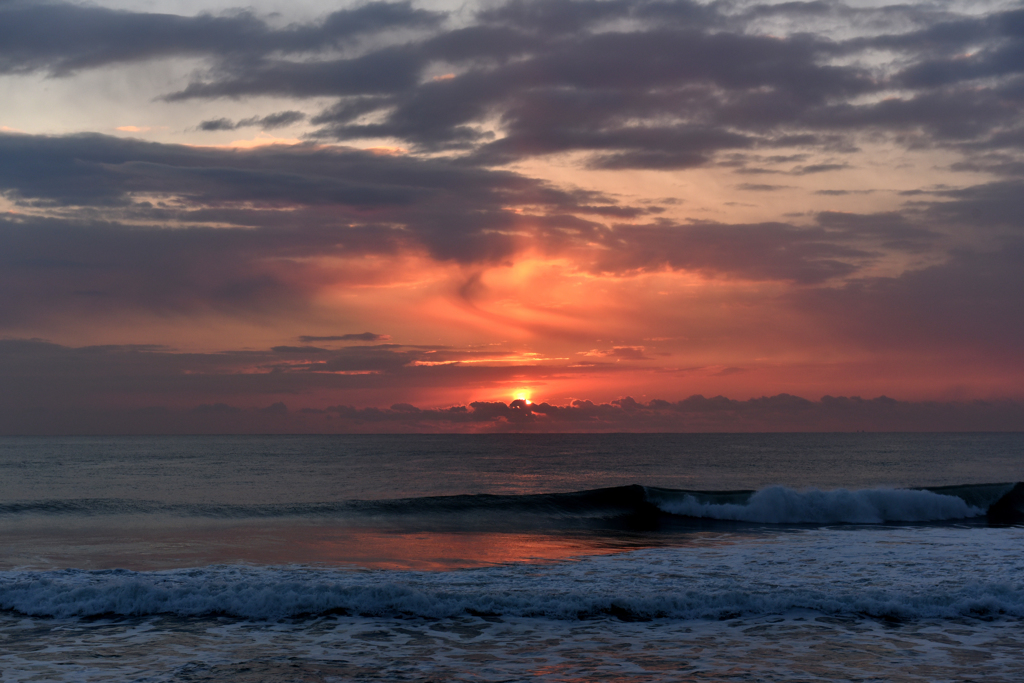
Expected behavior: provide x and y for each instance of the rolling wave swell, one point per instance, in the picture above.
(1000, 503)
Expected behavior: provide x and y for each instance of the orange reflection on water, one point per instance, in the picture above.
(438, 551)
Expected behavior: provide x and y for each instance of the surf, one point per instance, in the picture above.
(632, 506)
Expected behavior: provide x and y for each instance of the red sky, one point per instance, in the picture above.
(288, 218)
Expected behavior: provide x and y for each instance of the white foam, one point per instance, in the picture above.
(780, 505)
(892, 573)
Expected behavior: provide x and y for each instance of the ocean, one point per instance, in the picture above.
(623, 557)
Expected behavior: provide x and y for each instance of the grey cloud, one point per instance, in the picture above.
(52, 389)
(217, 124)
(58, 389)
(98, 170)
(361, 336)
(992, 205)
(768, 251)
(967, 307)
(757, 187)
(63, 37)
(892, 230)
(384, 71)
(780, 413)
(241, 215)
(818, 168)
(556, 16)
(269, 122)
(685, 83)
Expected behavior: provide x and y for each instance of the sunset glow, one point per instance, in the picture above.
(630, 205)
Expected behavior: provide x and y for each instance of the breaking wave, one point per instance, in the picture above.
(626, 506)
(779, 505)
(591, 591)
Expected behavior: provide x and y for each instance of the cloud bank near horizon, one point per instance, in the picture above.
(141, 389)
(696, 414)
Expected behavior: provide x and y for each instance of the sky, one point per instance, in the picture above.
(549, 215)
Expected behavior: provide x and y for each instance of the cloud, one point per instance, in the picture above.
(470, 104)
(621, 353)
(361, 336)
(51, 388)
(656, 85)
(219, 229)
(756, 187)
(63, 38)
(967, 307)
(268, 122)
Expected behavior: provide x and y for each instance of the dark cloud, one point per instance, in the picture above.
(841, 193)
(782, 412)
(992, 205)
(110, 226)
(361, 336)
(764, 251)
(219, 229)
(49, 388)
(217, 124)
(648, 84)
(757, 187)
(62, 38)
(969, 307)
(65, 387)
(268, 122)
(818, 168)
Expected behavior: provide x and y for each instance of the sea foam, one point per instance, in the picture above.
(780, 505)
(899, 574)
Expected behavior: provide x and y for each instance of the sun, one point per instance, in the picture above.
(523, 395)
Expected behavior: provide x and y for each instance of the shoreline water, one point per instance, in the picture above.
(246, 560)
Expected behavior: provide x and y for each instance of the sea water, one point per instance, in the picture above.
(511, 558)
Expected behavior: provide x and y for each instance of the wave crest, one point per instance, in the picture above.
(273, 594)
(780, 505)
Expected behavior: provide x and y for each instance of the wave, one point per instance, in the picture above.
(779, 505)
(633, 506)
(291, 593)
(998, 503)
